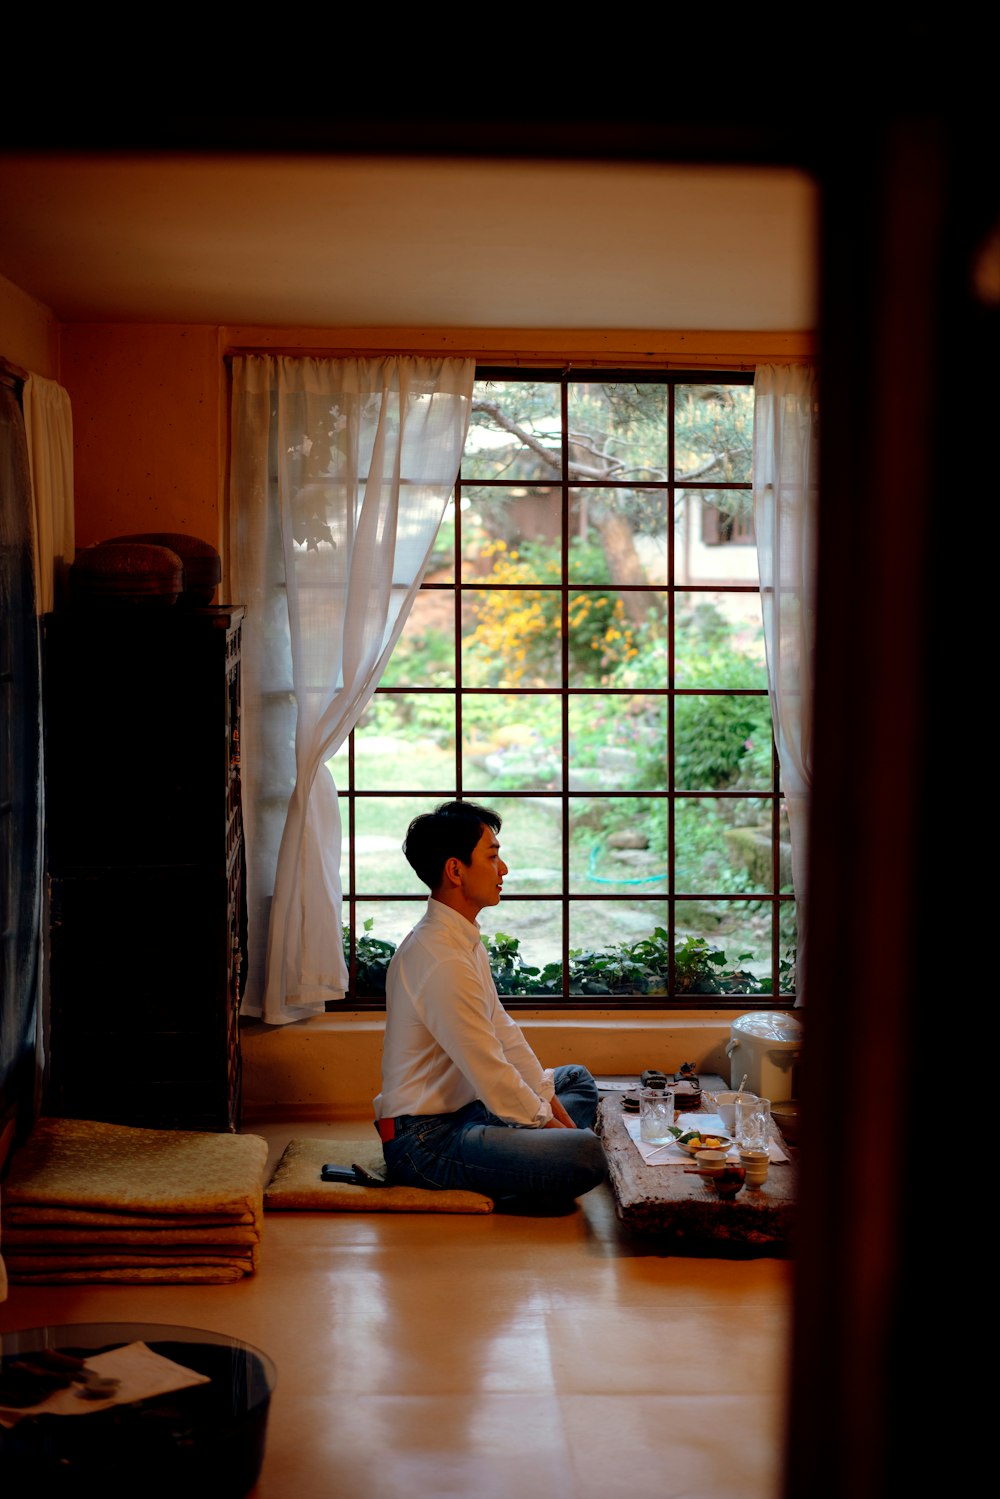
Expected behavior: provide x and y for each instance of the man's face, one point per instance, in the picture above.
(483, 876)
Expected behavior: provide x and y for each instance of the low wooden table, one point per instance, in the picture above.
(681, 1211)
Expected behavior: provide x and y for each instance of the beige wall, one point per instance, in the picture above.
(148, 427)
(29, 334)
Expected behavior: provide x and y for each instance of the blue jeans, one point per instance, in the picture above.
(474, 1150)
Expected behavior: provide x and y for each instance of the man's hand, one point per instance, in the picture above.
(560, 1119)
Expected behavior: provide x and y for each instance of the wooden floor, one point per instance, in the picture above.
(499, 1356)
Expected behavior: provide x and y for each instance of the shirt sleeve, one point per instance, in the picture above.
(471, 1026)
(520, 1055)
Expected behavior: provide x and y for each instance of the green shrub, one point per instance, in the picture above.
(372, 956)
(641, 967)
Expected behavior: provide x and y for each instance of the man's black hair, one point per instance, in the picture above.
(452, 830)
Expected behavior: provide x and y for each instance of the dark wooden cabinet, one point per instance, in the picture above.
(146, 865)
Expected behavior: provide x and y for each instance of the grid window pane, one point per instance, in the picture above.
(788, 942)
(619, 431)
(619, 846)
(719, 640)
(605, 633)
(511, 742)
(739, 929)
(619, 742)
(515, 432)
(625, 529)
(713, 433)
(425, 652)
(724, 845)
(379, 928)
(718, 537)
(618, 951)
(405, 742)
(511, 534)
(722, 740)
(511, 638)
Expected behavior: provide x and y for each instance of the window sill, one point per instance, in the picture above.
(327, 1068)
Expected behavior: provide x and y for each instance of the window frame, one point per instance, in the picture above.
(635, 1003)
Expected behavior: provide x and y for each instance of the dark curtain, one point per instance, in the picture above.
(20, 762)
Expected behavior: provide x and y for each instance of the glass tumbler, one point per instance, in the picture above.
(656, 1115)
(753, 1123)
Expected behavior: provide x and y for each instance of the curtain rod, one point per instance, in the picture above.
(548, 359)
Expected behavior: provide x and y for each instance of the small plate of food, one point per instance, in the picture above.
(693, 1140)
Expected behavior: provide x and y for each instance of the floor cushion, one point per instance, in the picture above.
(295, 1184)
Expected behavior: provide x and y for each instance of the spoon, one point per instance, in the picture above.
(657, 1148)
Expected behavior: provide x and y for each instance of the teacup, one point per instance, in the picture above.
(723, 1104)
(710, 1161)
(756, 1164)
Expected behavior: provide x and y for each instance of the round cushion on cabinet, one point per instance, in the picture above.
(126, 572)
(201, 562)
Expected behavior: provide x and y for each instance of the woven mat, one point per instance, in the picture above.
(296, 1184)
(85, 1172)
(89, 1201)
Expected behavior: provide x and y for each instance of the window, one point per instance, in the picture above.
(583, 658)
(725, 527)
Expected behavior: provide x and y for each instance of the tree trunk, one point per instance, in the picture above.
(624, 565)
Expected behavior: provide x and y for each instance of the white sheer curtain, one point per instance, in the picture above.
(785, 498)
(340, 473)
(48, 425)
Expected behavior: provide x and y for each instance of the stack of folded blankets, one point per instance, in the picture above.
(89, 1201)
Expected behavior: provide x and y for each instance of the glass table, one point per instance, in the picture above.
(206, 1438)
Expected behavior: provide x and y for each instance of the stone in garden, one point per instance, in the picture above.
(628, 838)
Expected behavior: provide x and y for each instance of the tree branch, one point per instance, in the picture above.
(611, 471)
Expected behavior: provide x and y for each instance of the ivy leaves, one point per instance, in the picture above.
(641, 967)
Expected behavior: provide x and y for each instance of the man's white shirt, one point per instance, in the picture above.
(448, 1039)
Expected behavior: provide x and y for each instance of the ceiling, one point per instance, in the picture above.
(354, 240)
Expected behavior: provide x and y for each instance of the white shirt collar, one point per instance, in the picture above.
(463, 930)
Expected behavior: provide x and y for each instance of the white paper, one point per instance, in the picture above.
(141, 1371)
(672, 1155)
(709, 1124)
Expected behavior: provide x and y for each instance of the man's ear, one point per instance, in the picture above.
(452, 872)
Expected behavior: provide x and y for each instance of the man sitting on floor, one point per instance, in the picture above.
(465, 1103)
